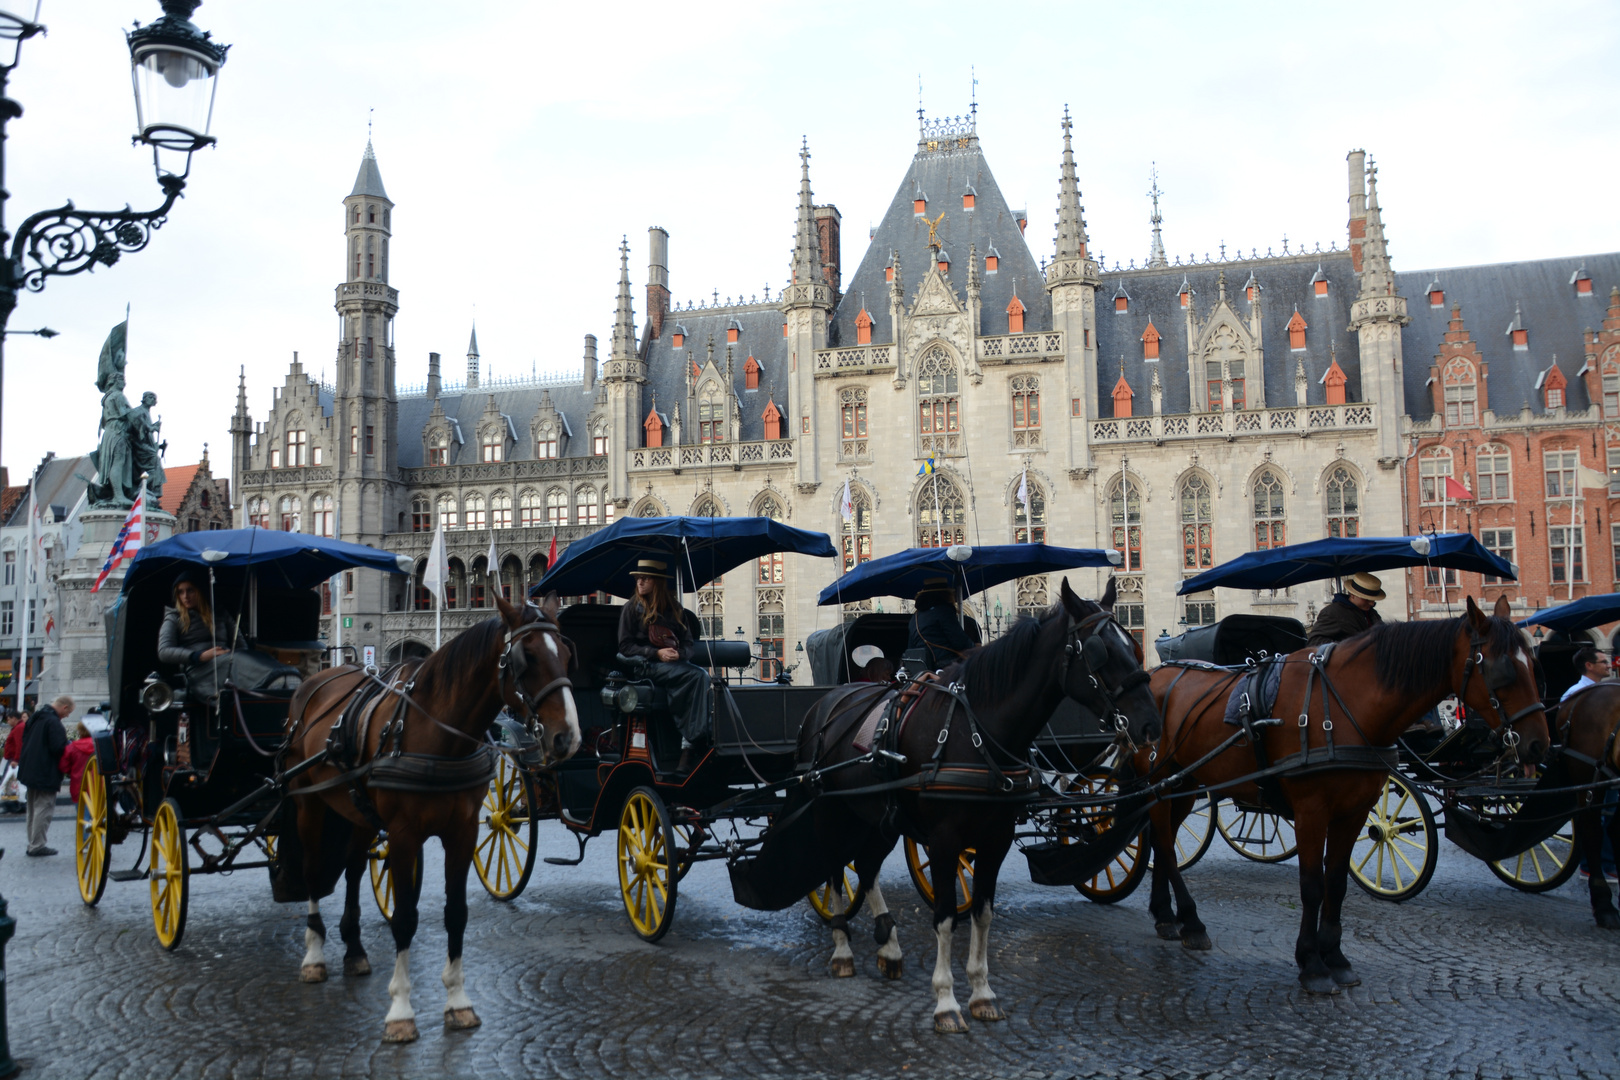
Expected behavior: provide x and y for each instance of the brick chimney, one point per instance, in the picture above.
(1358, 205)
(828, 221)
(433, 375)
(590, 362)
(657, 279)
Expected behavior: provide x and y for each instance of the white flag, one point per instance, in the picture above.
(846, 505)
(1023, 495)
(34, 538)
(1593, 478)
(490, 560)
(437, 574)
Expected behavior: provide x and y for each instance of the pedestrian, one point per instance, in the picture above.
(44, 739)
(10, 797)
(76, 757)
(1593, 666)
(1350, 612)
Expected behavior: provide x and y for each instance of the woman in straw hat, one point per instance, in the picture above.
(651, 629)
(1350, 612)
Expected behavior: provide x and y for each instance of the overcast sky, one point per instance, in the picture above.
(520, 141)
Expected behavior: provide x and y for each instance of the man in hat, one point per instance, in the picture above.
(937, 629)
(1350, 613)
(652, 629)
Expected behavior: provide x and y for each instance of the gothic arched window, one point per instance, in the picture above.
(421, 514)
(438, 448)
(1462, 391)
(320, 515)
(857, 531)
(258, 512)
(1270, 524)
(1343, 503)
(941, 513)
(500, 510)
(292, 513)
(449, 516)
(585, 506)
(1125, 522)
(770, 566)
(556, 507)
(476, 517)
(938, 405)
(712, 415)
(852, 411)
(1433, 469)
(529, 512)
(545, 441)
(1197, 524)
(1026, 410)
(708, 507)
(1030, 527)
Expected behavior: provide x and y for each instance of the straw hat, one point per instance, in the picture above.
(651, 568)
(1366, 586)
(865, 654)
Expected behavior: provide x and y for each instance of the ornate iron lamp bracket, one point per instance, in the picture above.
(70, 241)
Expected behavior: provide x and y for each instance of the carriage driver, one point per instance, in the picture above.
(1350, 612)
(192, 632)
(651, 629)
(937, 629)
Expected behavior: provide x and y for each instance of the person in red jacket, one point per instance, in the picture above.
(76, 757)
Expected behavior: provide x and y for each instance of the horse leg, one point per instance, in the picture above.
(1341, 840)
(1589, 846)
(1159, 906)
(1311, 831)
(1194, 935)
(890, 960)
(843, 959)
(311, 819)
(982, 1000)
(355, 960)
(947, 1013)
(403, 854)
(313, 969)
(458, 1007)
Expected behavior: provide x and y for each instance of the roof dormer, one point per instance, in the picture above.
(1437, 294)
(678, 338)
(1319, 281)
(1582, 281)
(944, 261)
(919, 203)
(863, 328)
(1184, 294)
(1518, 331)
(1122, 299)
(992, 260)
(1333, 381)
(1122, 396)
(1251, 289)
(1015, 315)
(1150, 341)
(1296, 331)
(969, 197)
(1553, 386)
(654, 428)
(733, 331)
(751, 374)
(773, 420)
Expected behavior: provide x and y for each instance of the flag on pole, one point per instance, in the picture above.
(490, 560)
(36, 532)
(926, 468)
(50, 615)
(1594, 478)
(128, 542)
(1023, 495)
(1456, 491)
(437, 573)
(551, 556)
(846, 505)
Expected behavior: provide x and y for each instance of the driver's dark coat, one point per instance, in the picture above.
(1339, 620)
(635, 640)
(936, 632)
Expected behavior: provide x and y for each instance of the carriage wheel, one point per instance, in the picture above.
(1546, 866)
(382, 878)
(1256, 834)
(91, 850)
(1195, 833)
(917, 862)
(821, 896)
(1395, 857)
(508, 831)
(647, 874)
(1120, 877)
(170, 875)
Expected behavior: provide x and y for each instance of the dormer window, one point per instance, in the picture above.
(1582, 282)
(1122, 300)
(1518, 331)
(1022, 218)
(751, 371)
(944, 261)
(919, 204)
(992, 261)
(1334, 381)
(1251, 289)
(1296, 332)
(1185, 295)
(773, 420)
(1552, 384)
(438, 449)
(1015, 315)
(888, 271)
(733, 331)
(863, 328)
(1319, 282)
(654, 427)
(1150, 343)
(784, 328)
(1122, 397)
(1461, 389)
(678, 337)
(494, 448)
(712, 418)
(968, 198)
(1437, 294)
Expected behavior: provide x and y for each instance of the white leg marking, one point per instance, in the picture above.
(978, 959)
(890, 949)
(399, 989)
(455, 983)
(313, 968)
(843, 959)
(572, 714)
(944, 985)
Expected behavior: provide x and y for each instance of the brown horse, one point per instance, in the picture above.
(1371, 689)
(435, 713)
(1591, 722)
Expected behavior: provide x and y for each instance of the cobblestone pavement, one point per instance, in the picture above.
(1470, 979)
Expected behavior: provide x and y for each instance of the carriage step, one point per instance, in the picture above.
(127, 875)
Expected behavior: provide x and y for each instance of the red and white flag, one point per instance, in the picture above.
(129, 540)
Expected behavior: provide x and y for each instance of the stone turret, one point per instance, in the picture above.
(806, 304)
(1072, 280)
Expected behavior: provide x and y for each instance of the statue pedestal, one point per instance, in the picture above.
(80, 666)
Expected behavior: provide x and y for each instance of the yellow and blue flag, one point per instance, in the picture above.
(926, 468)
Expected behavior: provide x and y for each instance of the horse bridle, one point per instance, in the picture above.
(1498, 673)
(1110, 695)
(514, 662)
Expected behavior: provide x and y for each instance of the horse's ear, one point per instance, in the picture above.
(1110, 594)
(550, 606)
(1503, 609)
(510, 615)
(1476, 616)
(1071, 603)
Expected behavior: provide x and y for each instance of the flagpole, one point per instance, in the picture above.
(28, 555)
(337, 591)
(1445, 505)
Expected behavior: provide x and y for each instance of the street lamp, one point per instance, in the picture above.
(175, 70)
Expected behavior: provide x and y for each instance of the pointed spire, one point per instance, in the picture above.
(1156, 256)
(368, 181)
(472, 359)
(624, 316)
(241, 393)
(806, 265)
(472, 342)
(1376, 277)
(1071, 228)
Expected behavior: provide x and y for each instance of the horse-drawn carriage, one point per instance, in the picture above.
(187, 760)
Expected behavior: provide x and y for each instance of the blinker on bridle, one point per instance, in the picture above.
(1093, 653)
(515, 661)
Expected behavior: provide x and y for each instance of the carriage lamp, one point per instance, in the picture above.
(156, 695)
(175, 69)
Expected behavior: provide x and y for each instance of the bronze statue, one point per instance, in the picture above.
(128, 447)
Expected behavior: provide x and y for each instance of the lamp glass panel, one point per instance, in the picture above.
(174, 96)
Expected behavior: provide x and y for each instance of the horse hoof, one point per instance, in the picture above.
(461, 1019)
(986, 1010)
(843, 967)
(1318, 984)
(1196, 940)
(399, 1031)
(1169, 931)
(1608, 920)
(1344, 976)
(950, 1023)
(891, 969)
(356, 966)
(312, 973)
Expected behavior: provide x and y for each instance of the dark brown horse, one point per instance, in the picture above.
(1591, 721)
(976, 723)
(1372, 688)
(419, 736)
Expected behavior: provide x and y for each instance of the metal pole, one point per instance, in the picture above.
(9, 110)
(8, 927)
(22, 592)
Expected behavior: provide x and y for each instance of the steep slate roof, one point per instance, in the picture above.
(368, 181)
(1552, 311)
(669, 370)
(465, 408)
(57, 486)
(944, 176)
(1284, 282)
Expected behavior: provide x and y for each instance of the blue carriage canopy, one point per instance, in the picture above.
(292, 560)
(1296, 564)
(701, 548)
(972, 568)
(1582, 614)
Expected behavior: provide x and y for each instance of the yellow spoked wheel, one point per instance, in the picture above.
(1194, 835)
(382, 878)
(918, 863)
(508, 829)
(90, 848)
(169, 874)
(1254, 833)
(647, 872)
(1546, 866)
(821, 898)
(1395, 856)
(1120, 877)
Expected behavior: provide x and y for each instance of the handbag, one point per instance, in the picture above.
(662, 637)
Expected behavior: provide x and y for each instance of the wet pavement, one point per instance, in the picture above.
(1469, 979)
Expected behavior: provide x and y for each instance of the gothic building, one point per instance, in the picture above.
(1182, 412)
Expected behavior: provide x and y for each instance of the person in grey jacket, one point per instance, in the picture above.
(651, 629)
(191, 632)
(44, 739)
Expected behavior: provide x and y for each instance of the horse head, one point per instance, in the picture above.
(1102, 667)
(1496, 678)
(534, 683)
